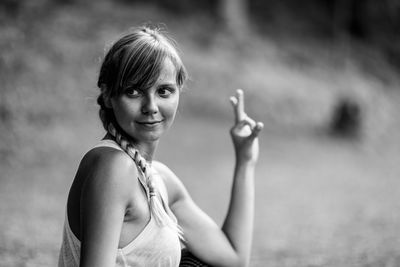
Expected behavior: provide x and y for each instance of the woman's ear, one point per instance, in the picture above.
(105, 95)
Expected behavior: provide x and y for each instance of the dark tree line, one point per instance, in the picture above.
(371, 21)
(359, 18)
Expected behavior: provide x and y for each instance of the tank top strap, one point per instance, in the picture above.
(107, 143)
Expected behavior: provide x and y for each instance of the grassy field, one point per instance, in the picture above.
(321, 201)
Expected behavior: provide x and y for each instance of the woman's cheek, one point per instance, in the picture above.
(174, 106)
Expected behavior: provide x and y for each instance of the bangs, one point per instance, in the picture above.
(136, 60)
(141, 65)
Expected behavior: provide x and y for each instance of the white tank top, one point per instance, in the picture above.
(154, 246)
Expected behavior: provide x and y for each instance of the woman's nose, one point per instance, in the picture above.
(149, 106)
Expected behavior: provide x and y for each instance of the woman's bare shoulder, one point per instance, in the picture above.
(104, 175)
(108, 168)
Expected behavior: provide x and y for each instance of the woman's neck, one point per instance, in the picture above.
(147, 150)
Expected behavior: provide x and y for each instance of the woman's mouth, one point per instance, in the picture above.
(149, 124)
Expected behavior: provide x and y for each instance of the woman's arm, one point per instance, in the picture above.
(104, 198)
(231, 245)
(238, 224)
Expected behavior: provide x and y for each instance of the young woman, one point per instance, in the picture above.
(124, 209)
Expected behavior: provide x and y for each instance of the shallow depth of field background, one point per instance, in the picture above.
(322, 199)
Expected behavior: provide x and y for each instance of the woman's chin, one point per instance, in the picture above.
(148, 137)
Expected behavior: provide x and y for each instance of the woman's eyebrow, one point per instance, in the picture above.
(167, 85)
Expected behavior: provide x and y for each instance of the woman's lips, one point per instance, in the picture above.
(149, 123)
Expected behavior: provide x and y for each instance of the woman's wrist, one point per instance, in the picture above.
(249, 163)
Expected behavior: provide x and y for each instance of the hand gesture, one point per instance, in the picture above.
(245, 131)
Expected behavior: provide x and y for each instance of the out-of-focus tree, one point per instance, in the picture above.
(375, 22)
(367, 18)
(234, 14)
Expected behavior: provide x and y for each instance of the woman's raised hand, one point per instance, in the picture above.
(245, 131)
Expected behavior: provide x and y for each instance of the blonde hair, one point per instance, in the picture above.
(136, 59)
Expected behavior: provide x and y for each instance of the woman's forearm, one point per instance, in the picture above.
(238, 224)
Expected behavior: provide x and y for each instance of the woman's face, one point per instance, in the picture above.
(144, 114)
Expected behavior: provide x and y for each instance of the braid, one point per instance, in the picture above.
(137, 58)
(102, 111)
(106, 114)
(157, 206)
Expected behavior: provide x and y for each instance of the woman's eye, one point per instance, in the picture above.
(165, 92)
(132, 92)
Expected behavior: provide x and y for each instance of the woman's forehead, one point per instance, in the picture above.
(167, 72)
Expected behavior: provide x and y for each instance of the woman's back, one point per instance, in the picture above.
(140, 237)
(104, 156)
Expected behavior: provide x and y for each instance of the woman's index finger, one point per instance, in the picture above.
(240, 105)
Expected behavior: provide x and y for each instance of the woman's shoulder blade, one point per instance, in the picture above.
(107, 158)
(108, 166)
(103, 174)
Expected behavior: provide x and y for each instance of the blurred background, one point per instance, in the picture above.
(322, 75)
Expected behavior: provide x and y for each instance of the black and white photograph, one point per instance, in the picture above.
(230, 133)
